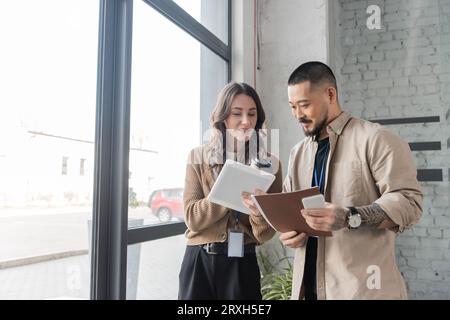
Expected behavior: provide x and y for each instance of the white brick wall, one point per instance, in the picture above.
(403, 70)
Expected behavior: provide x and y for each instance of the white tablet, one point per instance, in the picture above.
(234, 178)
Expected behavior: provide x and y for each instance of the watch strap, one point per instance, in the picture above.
(353, 211)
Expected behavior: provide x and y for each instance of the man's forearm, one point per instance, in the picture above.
(375, 217)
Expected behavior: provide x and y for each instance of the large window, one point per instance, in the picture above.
(153, 268)
(166, 101)
(175, 80)
(47, 122)
(212, 14)
(101, 102)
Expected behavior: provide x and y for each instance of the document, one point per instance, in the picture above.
(283, 211)
(234, 178)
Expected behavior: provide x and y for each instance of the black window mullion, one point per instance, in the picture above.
(148, 233)
(109, 232)
(181, 18)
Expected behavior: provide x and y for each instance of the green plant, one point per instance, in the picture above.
(276, 281)
(277, 286)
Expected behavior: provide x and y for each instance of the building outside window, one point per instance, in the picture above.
(65, 161)
(47, 216)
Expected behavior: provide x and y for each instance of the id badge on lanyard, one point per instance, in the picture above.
(236, 239)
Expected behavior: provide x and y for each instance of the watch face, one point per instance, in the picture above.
(354, 221)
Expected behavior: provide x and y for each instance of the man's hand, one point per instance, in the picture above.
(248, 201)
(330, 218)
(293, 240)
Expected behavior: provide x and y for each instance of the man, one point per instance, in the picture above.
(368, 178)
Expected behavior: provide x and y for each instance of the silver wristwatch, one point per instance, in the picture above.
(354, 219)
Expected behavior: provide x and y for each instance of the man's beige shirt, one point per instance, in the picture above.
(367, 164)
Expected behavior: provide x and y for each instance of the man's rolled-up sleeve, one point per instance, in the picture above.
(395, 174)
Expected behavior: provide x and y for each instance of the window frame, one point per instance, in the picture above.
(111, 235)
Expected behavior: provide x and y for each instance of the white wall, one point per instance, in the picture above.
(242, 41)
(291, 32)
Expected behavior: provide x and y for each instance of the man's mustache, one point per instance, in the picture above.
(304, 121)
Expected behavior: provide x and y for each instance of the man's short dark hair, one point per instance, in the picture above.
(315, 72)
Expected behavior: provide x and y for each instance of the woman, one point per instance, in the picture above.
(207, 272)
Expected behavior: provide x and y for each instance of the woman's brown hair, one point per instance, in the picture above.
(217, 142)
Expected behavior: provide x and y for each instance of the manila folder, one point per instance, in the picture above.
(282, 211)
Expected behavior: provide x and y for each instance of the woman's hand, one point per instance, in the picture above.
(248, 201)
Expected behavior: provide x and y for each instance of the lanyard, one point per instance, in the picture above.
(236, 219)
(319, 182)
